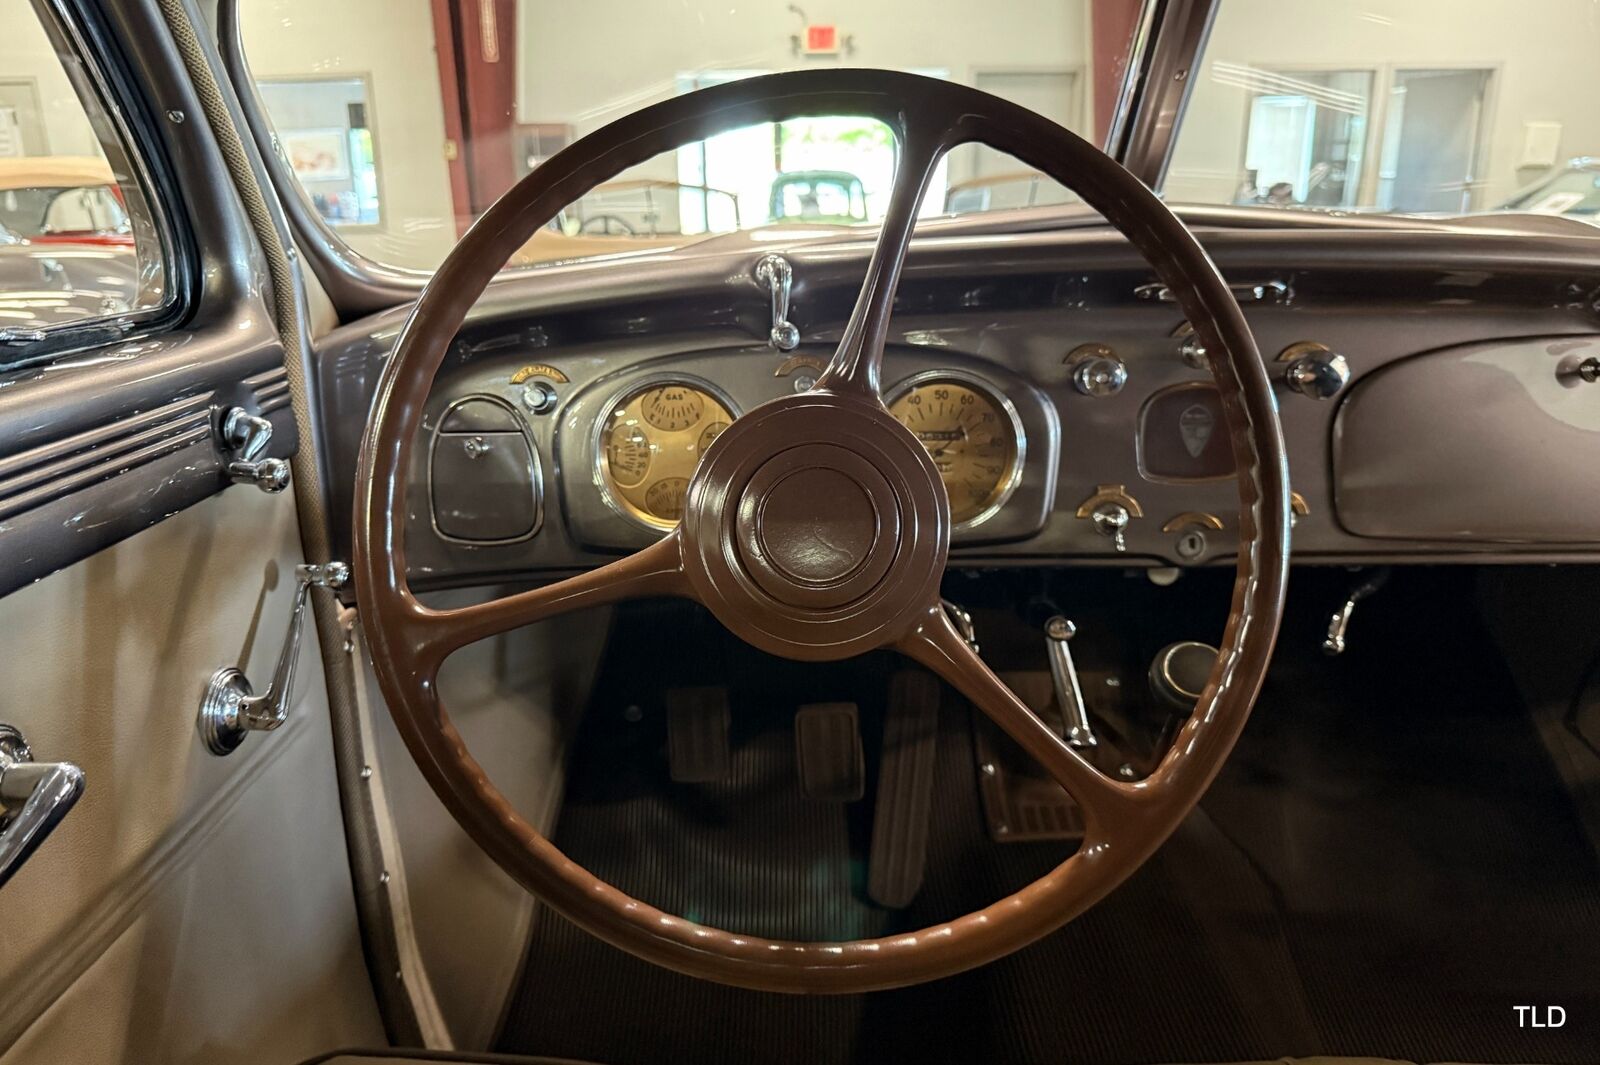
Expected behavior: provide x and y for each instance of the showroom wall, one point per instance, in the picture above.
(49, 120)
(588, 63)
(1532, 46)
(389, 44)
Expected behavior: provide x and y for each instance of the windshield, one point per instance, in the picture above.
(403, 120)
(1432, 107)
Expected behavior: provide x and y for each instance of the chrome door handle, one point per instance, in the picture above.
(34, 797)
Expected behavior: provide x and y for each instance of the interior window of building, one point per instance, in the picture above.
(1404, 106)
(324, 134)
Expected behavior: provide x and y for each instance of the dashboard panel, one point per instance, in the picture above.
(614, 391)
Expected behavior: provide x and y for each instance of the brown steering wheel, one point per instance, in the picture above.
(816, 527)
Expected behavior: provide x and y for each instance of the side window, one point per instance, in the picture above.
(79, 237)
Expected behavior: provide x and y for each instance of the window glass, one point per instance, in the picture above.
(78, 240)
(454, 100)
(1409, 106)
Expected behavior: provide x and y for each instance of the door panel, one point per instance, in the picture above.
(189, 908)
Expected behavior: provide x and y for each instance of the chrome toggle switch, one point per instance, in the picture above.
(1111, 519)
(1058, 633)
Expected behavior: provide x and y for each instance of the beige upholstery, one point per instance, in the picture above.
(190, 908)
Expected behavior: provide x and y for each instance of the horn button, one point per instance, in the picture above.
(816, 527)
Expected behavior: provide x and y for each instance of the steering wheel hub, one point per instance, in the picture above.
(816, 527)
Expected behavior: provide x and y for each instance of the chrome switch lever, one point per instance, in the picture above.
(1335, 642)
(1058, 632)
(34, 797)
(776, 276)
(245, 437)
(230, 709)
(1111, 519)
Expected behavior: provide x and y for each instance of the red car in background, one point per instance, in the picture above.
(63, 199)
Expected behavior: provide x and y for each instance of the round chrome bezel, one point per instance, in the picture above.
(602, 466)
(981, 384)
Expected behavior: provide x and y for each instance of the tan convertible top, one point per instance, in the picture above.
(54, 171)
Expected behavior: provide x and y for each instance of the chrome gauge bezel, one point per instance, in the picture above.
(602, 463)
(980, 384)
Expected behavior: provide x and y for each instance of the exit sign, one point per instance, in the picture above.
(822, 40)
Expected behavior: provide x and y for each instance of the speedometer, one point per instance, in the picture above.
(973, 436)
(651, 440)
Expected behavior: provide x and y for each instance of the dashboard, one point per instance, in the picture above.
(1433, 384)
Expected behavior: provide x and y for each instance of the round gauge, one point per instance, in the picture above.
(710, 433)
(972, 437)
(628, 454)
(672, 408)
(664, 498)
(651, 441)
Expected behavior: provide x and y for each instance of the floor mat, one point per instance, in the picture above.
(1386, 867)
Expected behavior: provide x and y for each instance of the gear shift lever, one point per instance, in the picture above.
(1058, 632)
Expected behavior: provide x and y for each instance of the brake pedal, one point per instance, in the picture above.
(827, 740)
(899, 851)
(698, 751)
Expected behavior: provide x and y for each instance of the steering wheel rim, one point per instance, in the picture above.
(743, 544)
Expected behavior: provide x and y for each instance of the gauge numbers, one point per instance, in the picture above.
(972, 438)
(650, 443)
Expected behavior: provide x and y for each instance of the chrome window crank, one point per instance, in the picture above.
(776, 276)
(230, 709)
(34, 797)
(245, 437)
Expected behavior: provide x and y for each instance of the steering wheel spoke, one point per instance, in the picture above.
(858, 360)
(656, 571)
(936, 644)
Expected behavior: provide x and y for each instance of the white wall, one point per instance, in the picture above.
(26, 54)
(652, 45)
(1544, 54)
(390, 44)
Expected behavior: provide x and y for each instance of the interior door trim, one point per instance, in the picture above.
(83, 460)
(103, 922)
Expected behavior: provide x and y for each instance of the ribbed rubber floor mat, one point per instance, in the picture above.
(1386, 867)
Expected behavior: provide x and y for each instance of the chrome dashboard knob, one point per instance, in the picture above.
(1319, 374)
(1097, 371)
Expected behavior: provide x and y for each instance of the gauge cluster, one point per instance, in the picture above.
(627, 443)
(651, 438)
